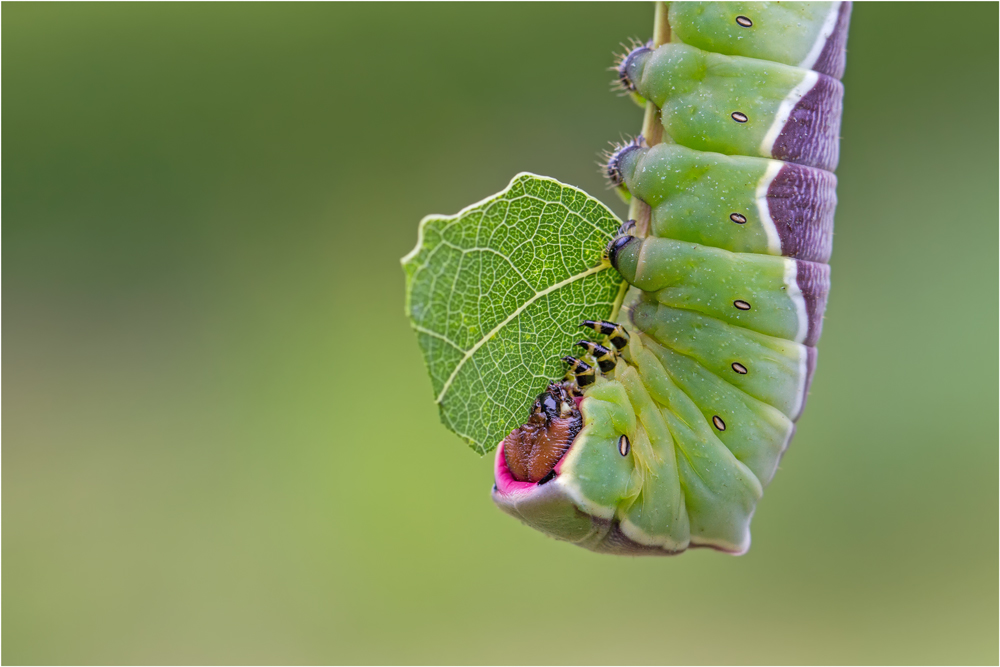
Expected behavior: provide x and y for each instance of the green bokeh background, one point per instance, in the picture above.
(219, 441)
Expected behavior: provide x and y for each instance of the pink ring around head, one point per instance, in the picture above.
(506, 484)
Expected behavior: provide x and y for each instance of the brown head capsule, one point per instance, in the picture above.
(532, 450)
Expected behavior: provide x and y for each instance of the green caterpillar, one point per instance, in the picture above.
(664, 437)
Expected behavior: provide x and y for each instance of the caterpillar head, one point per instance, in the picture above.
(532, 450)
(576, 499)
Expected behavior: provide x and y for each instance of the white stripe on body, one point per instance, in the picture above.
(795, 294)
(785, 110)
(764, 211)
(825, 32)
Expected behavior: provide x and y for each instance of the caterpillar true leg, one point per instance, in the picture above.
(583, 373)
(616, 333)
(606, 358)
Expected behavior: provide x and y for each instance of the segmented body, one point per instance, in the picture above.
(730, 285)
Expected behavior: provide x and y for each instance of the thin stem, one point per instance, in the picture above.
(652, 128)
(661, 25)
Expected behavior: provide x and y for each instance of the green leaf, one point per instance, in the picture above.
(496, 294)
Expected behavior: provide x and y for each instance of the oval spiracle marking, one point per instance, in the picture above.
(741, 304)
(738, 218)
(624, 445)
(739, 117)
(739, 368)
(744, 21)
(719, 424)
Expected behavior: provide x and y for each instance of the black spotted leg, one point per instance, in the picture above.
(606, 358)
(582, 373)
(616, 333)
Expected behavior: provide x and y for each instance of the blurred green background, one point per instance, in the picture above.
(220, 444)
